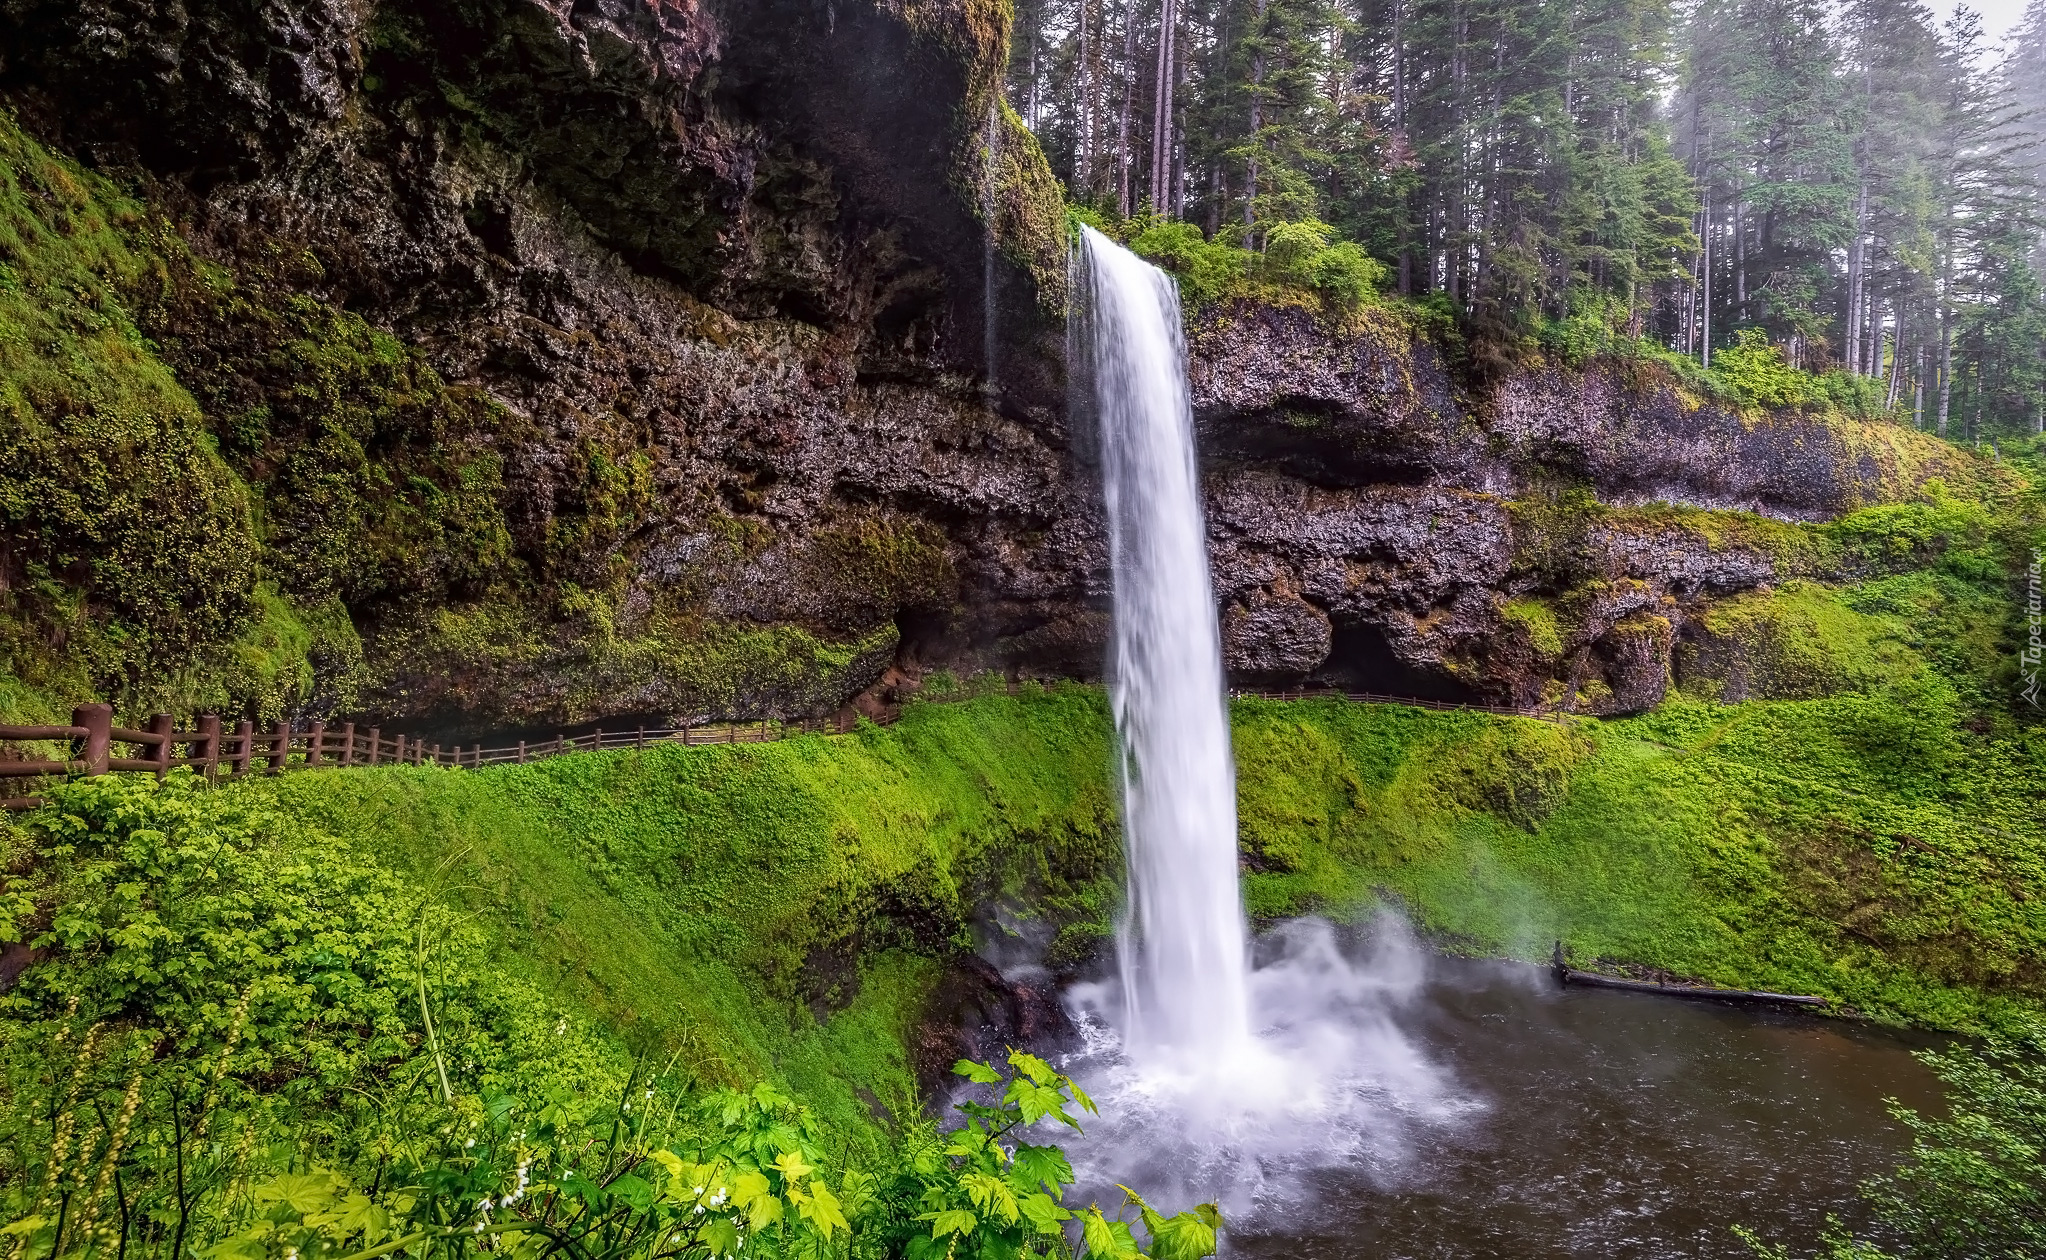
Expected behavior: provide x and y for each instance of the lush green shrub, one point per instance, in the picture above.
(1290, 251)
(1975, 1182)
(666, 1172)
(1346, 276)
(218, 992)
(1301, 256)
(1206, 270)
(1754, 373)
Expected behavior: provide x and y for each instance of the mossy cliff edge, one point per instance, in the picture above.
(491, 363)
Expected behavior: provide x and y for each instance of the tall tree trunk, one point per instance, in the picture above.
(1399, 127)
(1161, 110)
(1456, 233)
(1031, 100)
(1129, 96)
(1705, 270)
(1257, 117)
(1896, 360)
(1946, 348)
(1083, 121)
(1740, 252)
(1856, 262)
(1918, 387)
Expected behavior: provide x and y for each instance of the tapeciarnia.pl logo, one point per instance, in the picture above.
(2035, 632)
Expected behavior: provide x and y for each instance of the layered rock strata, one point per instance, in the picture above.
(766, 299)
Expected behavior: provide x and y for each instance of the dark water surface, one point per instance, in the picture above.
(1619, 1125)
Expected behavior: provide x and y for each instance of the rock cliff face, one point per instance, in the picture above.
(763, 303)
(1376, 527)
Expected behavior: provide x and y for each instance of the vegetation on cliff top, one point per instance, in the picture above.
(1855, 186)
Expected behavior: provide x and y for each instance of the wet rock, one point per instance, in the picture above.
(1273, 633)
(714, 269)
(977, 1013)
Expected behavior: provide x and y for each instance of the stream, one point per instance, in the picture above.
(1612, 1125)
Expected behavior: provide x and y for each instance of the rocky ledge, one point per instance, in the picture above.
(762, 304)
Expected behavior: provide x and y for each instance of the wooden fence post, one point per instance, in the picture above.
(280, 747)
(522, 752)
(315, 744)
(436, 755)
(160, 724)
(348, 743)
(597, 740)
(244, 746)
(639, 738)
(96, 746)
(398, 750)
(209, 742)
(376, 745)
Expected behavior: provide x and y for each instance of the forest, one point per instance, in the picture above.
(1861, 186)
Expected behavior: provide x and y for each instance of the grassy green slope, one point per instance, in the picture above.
(1853, 846)
(720, 900)
(784, 910)
(777, 910)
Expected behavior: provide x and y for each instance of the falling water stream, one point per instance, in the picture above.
(1184, 947)
(1221, 1078)
(1323, 1084)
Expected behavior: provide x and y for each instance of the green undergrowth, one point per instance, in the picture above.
(330, 970)
(767, 911)
(1862, 847)
(268, 953)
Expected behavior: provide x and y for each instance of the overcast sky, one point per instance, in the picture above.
(1998, 16)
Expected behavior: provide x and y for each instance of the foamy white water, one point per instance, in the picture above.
(1217, 1081)
(1184, 950)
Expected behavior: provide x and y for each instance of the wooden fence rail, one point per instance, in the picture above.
(218, 753)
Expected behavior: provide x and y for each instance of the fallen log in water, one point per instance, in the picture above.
(1567, 975)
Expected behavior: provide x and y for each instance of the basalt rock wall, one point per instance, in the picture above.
(763, 306)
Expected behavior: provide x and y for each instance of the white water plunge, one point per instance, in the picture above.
(1184, 948)
(1216, 1080)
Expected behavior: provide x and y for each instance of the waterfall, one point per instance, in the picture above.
(1184, 947)
(1216, 1080)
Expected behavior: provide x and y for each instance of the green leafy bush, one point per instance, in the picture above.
(1301, 256)
(1290, 251)
(1975, 1182)
(219, 992)
(1754, 373)
(1346, 276)
(1206, 270)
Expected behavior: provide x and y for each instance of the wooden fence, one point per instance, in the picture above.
(218, 753)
